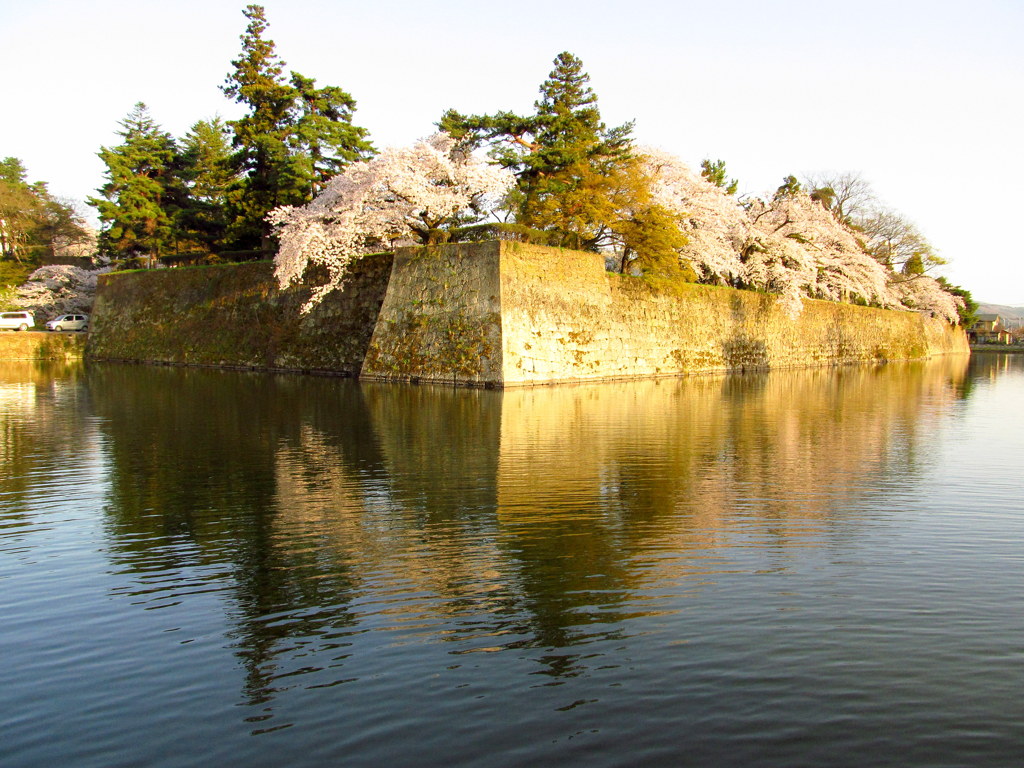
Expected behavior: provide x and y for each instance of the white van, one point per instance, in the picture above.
(16, 321)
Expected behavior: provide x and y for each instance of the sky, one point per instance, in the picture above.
(922, 98)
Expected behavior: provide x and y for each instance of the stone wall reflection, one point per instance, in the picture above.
(594, 480)
(200, 484)
(537, 518)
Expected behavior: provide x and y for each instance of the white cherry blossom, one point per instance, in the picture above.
(60, 289)
(401, 195)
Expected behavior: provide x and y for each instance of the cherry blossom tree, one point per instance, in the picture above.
(402, 194)
(60, 289)
(841, 265)
(715, 224)
(926, 294)
(804, 249)
(791, 243)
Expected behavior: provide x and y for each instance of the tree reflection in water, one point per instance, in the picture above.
(540, 519)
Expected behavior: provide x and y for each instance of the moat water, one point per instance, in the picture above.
(808, 568)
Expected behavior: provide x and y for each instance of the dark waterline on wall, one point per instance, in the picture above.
(817, 567)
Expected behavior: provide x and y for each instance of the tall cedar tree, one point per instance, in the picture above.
(293, 137)
(322, 132)
(142, 190)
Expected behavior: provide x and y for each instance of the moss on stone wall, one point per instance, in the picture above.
(644, 328)
(559, 316)
(41, 346)
(236, 315)
(441, 319)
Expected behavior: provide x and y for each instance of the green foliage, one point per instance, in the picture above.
(969, 312)
(13, 273)
(213, 192)
(207, 174)
(824, 195)
(21, 209)
(8, 298)
(293, 137)
(554, 152)
(32, 221)
(142, 191)
(571, 141)
(914, 265)
(790, 186)
(714, 171)
(577, 180)
(651, 242)
(323, 137)
(266, 176)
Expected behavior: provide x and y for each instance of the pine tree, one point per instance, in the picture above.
(266, 178)
(142, 190)
(714, 171)
(293, 137)
(569, 128)
(789, 188)
(567, 163)
(323, 134)
(565, 130)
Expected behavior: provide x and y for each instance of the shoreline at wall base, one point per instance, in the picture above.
(999, 349)
(324, 372)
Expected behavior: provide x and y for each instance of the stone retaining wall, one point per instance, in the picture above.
(32, 345)
(236, 315)
(557, 315)
(489, 314)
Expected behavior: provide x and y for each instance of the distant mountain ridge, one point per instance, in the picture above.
(1013, 317)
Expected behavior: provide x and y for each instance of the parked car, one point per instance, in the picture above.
(16, 321)
(69, 323)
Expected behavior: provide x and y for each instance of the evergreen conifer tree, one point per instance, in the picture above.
(262, 160)
(714, 171)
(207, 173)
(565, 133)
(292, 138)
(323, 134)
(142, 190)
(576, 179)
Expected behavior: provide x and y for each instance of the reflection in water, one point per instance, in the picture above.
(43, 427)
(379, 572)
(541, 518)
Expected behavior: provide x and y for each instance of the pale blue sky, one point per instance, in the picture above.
(922, 98)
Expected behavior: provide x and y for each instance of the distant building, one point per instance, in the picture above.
(989, 329)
